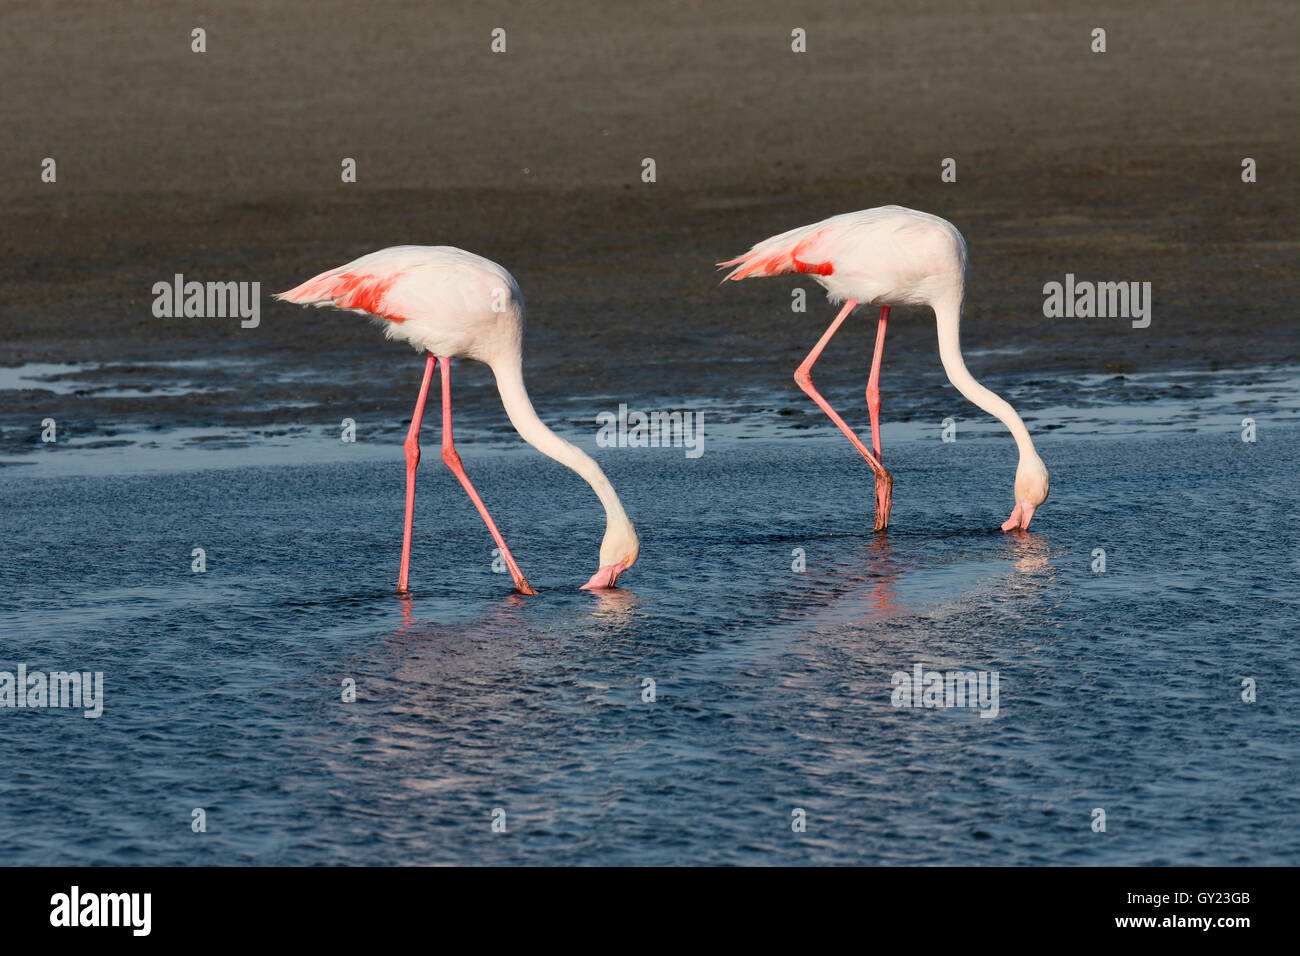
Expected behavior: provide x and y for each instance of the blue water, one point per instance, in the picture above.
(223, 690)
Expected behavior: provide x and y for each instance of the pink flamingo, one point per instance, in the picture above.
(452, 303)
(893, 256)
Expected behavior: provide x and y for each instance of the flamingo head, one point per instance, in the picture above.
(1032, 486)
(618, 552)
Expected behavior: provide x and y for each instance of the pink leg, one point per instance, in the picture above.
(412, 460)
(1021, 515)
(873, 383)
(453, 462)
(803, 375)
(885, 484)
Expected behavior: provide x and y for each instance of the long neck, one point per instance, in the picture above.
(510, 383)
(947, 313)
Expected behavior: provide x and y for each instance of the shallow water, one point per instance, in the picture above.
(1118, 690)
(139, 417)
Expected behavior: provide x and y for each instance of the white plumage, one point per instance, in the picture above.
(439, 299)
(891, 256)
(884, 256)
(454, 304)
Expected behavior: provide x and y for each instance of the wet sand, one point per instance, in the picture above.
(225, 166)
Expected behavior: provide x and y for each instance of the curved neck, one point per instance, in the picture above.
(947, 313)
(510, 383)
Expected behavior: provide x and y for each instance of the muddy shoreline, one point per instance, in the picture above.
(1122, 167)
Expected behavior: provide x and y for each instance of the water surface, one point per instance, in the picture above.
(1118, 690)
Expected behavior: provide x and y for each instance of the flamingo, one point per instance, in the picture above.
(450, 304)
(893, 256)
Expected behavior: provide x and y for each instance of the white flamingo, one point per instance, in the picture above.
(453, 304)
(894, 256)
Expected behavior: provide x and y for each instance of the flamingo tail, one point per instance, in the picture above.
(779, 254)
(358, 291)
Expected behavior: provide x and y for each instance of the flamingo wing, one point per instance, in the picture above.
(409, 282)
(350, 287)
(803, 250)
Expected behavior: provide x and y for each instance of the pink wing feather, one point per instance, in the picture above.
(788, 252)
(349, 289)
